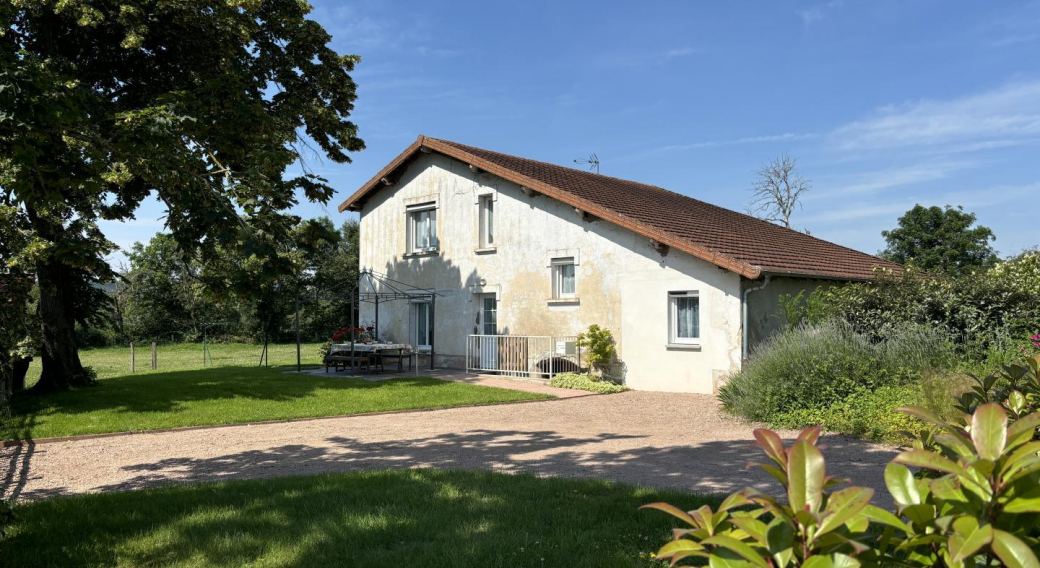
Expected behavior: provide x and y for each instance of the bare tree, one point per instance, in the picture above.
(777, 190)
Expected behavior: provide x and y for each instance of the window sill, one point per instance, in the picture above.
(422, 254)
(683, 346)
(563, 301)
(485, 250)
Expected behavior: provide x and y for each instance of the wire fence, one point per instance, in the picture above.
(109, 362)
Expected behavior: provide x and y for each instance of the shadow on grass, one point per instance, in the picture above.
(420, 518)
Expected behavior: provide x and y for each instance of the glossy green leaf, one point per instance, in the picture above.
(744, 550)
(676, 546)
(1028, 502)
(673, 511)
(754, 528)
(780, 541)
(928, 460)
(883, 517)
(1023, 430)
(844, 505)
(811, 435)
(968, 537)
(772, 445)
(989, 430)
(902, 485)
(1013, 552)
(806, 471)
(725, 558)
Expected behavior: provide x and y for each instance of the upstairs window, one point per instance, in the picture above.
(422, 228)
(486, 205)
(564, 278)
(684, 317)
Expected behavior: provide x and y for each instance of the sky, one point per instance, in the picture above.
(883, 103)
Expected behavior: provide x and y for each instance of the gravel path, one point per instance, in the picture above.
(656, 439)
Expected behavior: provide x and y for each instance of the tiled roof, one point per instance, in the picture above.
(732, 240)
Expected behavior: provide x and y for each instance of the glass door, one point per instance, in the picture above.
(488, 323)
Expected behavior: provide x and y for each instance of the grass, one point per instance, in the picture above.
(157, 400)
(420, 518)
(115, 361)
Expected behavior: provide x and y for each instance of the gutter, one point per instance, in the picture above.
(744, 319)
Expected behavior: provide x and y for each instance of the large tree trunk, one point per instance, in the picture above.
(59, 354)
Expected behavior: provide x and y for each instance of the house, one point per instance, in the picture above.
(521, 248)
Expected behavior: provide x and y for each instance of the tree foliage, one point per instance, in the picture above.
(168, 294)
(203, 104)
(942, 239)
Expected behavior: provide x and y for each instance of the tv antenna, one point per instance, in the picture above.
(592, 162)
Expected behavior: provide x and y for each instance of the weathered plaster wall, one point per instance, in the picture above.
(622, 282)
(764, 305)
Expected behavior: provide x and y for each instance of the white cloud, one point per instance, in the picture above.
(874, 182)
(1005, 116)
(787, 136)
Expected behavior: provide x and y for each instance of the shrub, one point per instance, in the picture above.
(865, 413)
(980, 506)
(584, 382)
(979, 306)
(600, 345)
(811, 367)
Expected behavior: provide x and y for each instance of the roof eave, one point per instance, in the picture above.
(714, 257)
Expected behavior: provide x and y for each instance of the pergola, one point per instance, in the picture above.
(376, 288)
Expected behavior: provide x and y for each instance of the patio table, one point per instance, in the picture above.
(377, 350)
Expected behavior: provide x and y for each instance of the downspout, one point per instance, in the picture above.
(745, 321)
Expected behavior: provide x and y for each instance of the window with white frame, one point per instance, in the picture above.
(684, 317)
(422, 329)
(422, 228)
(564, 278)
(486, 206)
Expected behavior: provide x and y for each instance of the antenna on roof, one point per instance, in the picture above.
(592, 162)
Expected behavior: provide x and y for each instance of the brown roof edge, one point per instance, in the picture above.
(714, 257)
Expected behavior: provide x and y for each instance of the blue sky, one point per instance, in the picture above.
(884, 103)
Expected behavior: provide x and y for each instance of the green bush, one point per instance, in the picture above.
(600, 347)
(979, 505)
(979, 307)
(868, 414)
(589, 383)
(811, 367)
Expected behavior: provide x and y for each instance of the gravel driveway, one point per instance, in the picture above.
(664, 440)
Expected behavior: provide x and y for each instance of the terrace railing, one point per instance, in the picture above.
(530, 356)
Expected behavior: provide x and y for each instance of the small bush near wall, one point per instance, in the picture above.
(585, 382)
(811, 367)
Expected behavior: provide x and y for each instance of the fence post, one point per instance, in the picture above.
(155, 356)
(132, 362)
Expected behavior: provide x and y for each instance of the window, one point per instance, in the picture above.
(422, 228)
(685, 317)
(563, 278)
(489, 316)
(486, 204)
(422, 330)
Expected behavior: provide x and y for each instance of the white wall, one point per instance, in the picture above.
(622, 282)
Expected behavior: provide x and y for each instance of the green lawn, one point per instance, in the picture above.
(418, 518)
(229, 395)
(115, 361)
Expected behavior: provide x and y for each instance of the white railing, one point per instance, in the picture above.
(532, 356)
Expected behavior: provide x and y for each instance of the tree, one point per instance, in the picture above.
(943, 239)
(777, 191)
(203, 104)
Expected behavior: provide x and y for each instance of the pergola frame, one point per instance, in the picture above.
(381, 289)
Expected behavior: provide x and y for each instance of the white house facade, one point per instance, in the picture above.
(511, 250)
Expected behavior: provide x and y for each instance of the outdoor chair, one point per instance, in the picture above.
(401, 355)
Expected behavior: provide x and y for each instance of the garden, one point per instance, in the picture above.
(849, 355)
